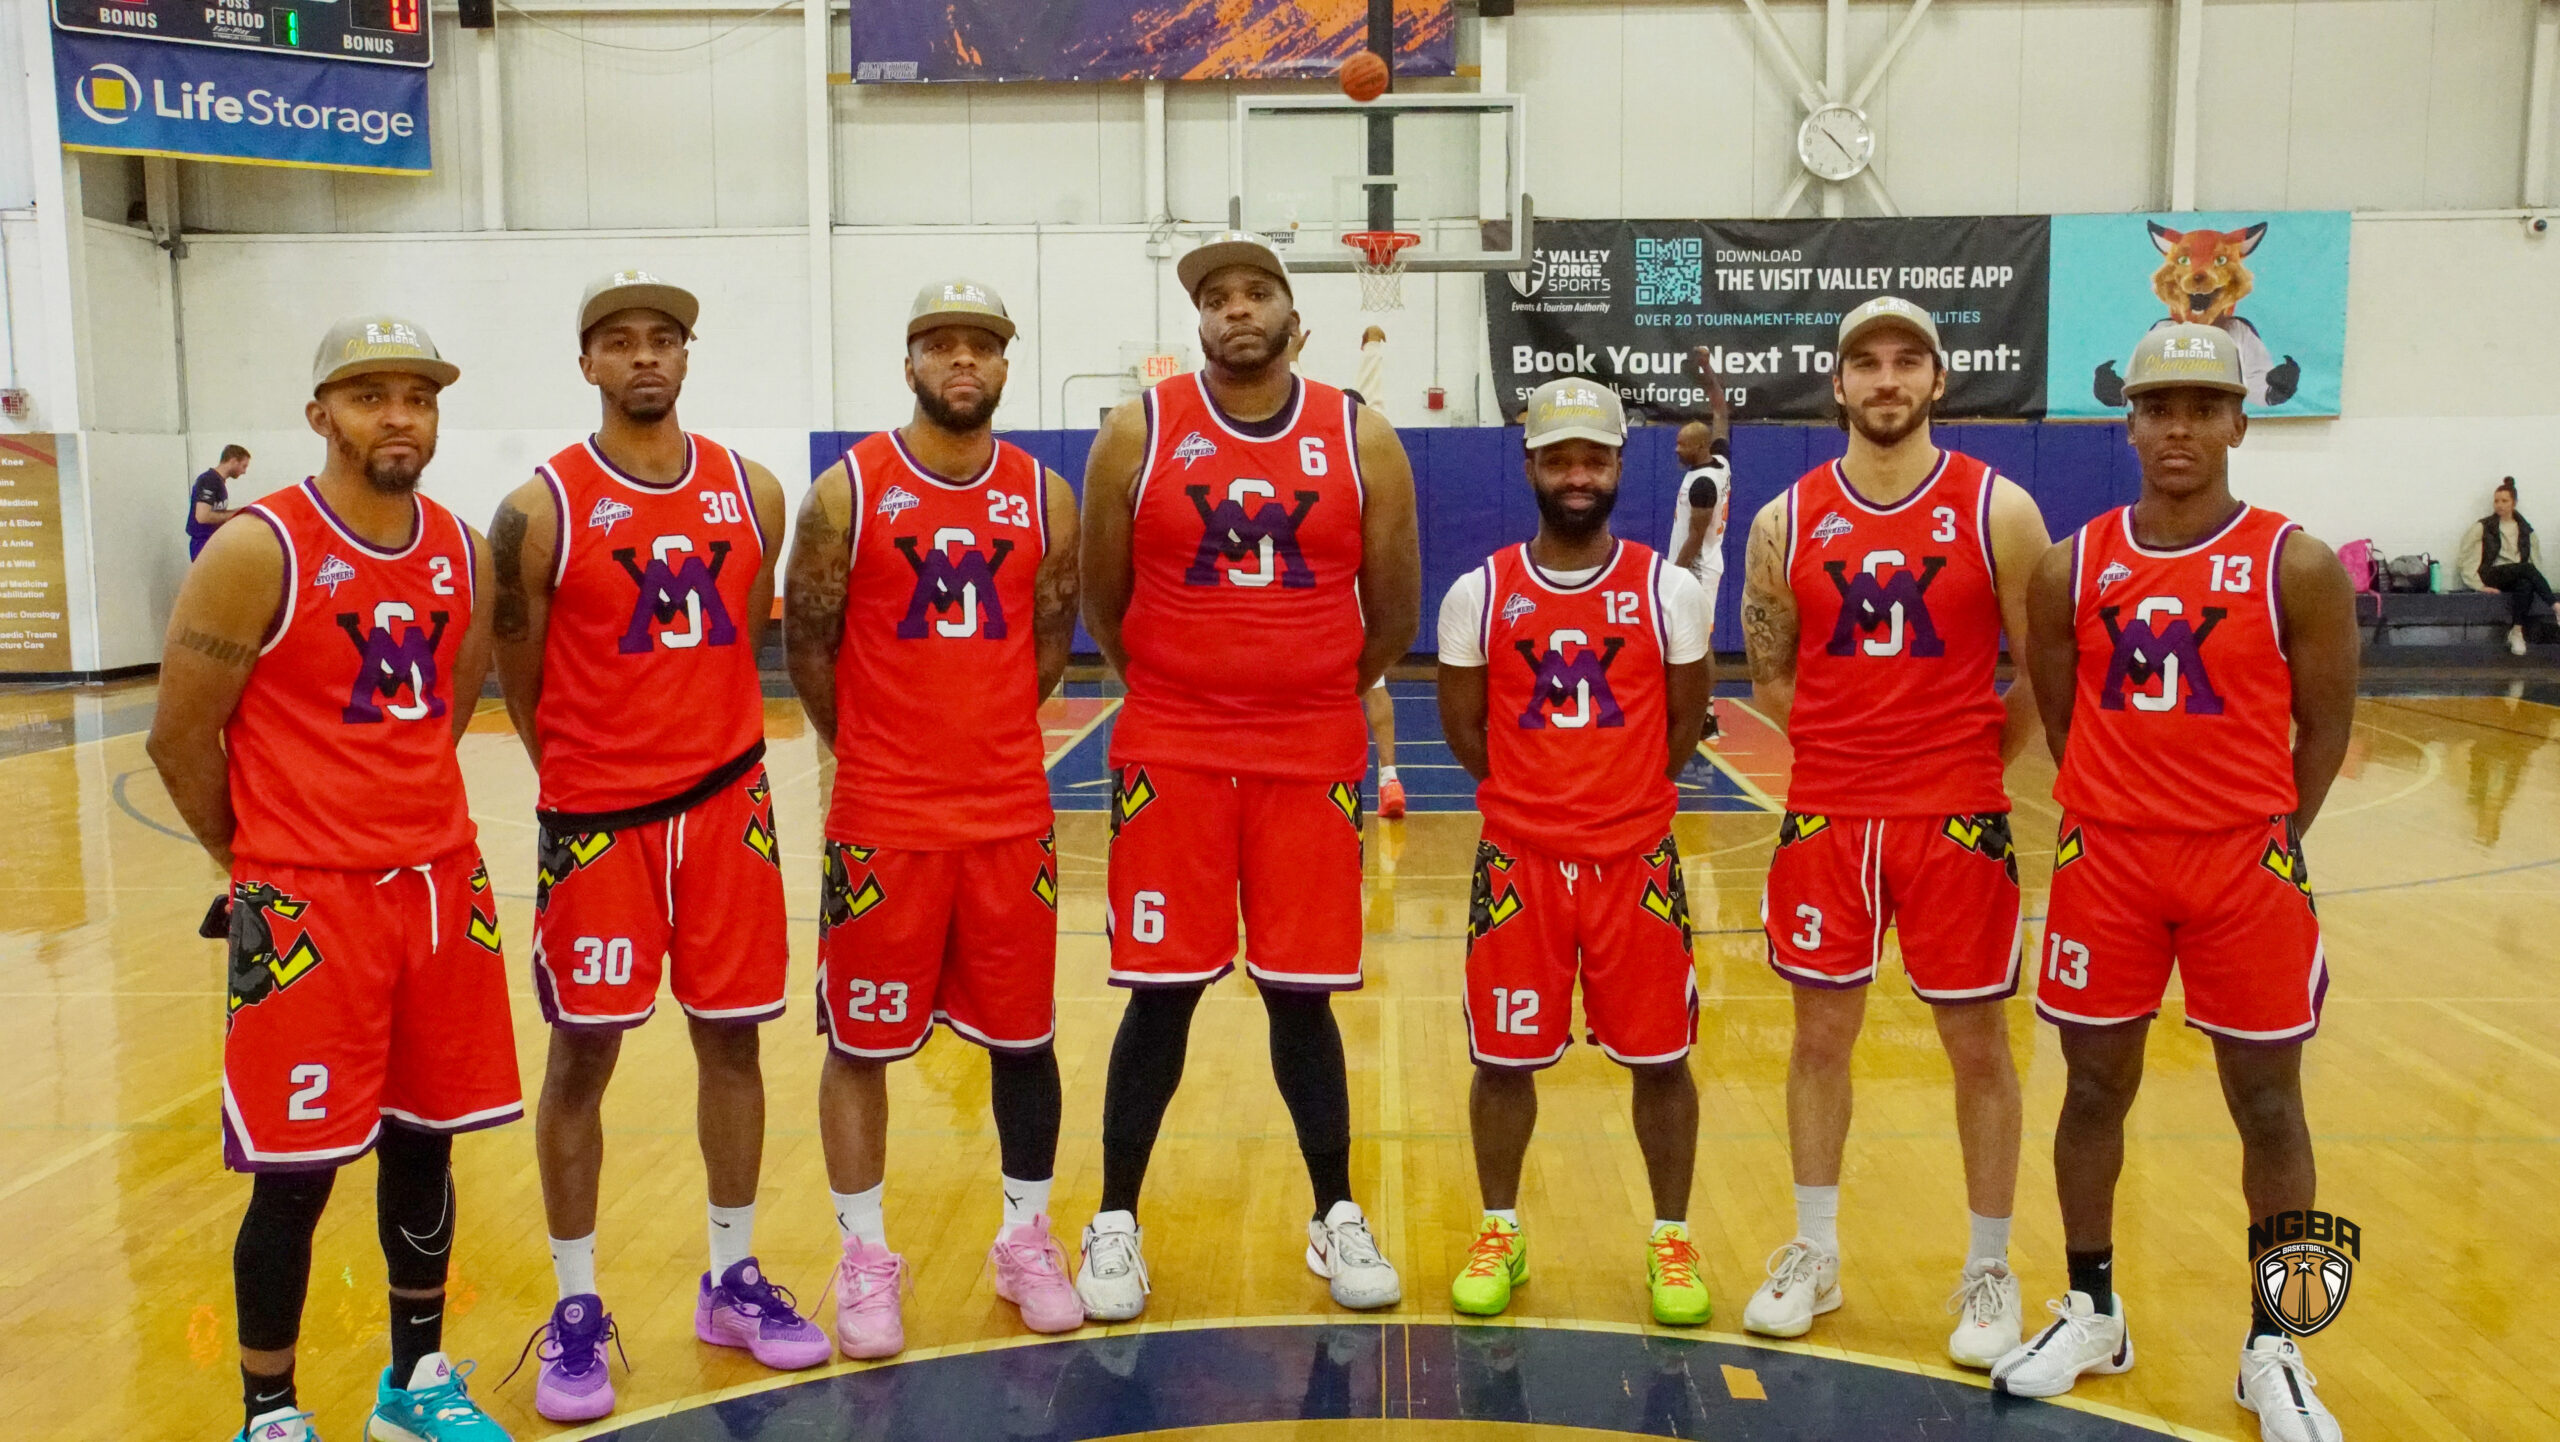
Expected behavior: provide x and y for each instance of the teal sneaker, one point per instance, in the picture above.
(284, 1424)
(434, 1407)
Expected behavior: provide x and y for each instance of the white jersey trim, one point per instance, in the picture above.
(559, 502)
(292, 575)
(417, 524)
(692, 461)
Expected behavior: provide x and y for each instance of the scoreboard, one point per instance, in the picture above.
(382, 32)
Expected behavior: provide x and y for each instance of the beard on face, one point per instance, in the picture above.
(1242, 353)
(1890, 435)
(1575, 525)
(647, 410)
(960, 415)
(391, 475)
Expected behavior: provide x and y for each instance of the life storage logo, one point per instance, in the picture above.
(108, 94)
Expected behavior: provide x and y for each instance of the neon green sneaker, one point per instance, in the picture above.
(1671, 1271)
(1498, 1262)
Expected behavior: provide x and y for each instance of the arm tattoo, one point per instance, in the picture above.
(1769, 632)
(228, 653)
(510, 619)
(813, 615)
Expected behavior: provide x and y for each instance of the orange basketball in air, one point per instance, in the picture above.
(1364, 76)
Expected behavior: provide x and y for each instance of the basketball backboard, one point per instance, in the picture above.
(1301, 170)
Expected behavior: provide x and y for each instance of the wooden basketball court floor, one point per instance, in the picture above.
(2434, 1085)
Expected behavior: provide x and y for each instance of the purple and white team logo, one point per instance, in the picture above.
(607, 514)
(333, 573)
(1570, 691)
(389, 665)
(2115, 571)
(1884, 595)
(1194, 449)
(1260, 532)
(896, 499)
(955, 592)
(1831, 527)
(1515, 606)
(676, 583)
(2159, 645)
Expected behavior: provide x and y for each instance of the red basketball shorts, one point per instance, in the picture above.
(1185, 845)
(361, 996)
(699, 893)
(2231, 910)
(966, 937)
(1622, 922)
(1948, 885)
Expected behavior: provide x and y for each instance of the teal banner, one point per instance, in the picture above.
(2277, 280)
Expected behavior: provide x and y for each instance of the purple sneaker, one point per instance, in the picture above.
(745, 1310)
(574, 1384)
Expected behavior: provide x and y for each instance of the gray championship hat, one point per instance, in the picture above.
(362, 345)
(1226, 248)
(1575, 408)
(1888, 310)
(2186, 355)
(636, 290)
(959, 302)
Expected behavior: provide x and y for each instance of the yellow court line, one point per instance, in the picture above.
(840, 1367)
(1087, 729)
(1750, 789)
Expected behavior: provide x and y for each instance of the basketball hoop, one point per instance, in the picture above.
(1381, 266)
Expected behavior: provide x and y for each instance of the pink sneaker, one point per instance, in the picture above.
(1031, 1273)
(745, 1310)
(869, 1284)
(573, 1384)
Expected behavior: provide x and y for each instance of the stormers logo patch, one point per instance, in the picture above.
(1831, 527)
(1797, 826)
(1987, 833)
(2115, 571)
(1492, 900)
(1131, 793)
(1195, 448)
(2304, 1263)
(2068, 850)
(1515, 606)
(1345, 796)
(607, 514)
(839, 900)
(557, 856)
(258, 970)
(896, 499)
(333, 573)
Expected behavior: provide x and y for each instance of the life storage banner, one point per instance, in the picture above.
(2037, 313)
(196, 102)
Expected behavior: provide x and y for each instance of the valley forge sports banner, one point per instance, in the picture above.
(904, 40)
(1627, 302)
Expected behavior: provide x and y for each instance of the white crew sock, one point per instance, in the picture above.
(858, 1215)
(1661, 1222)
(1990, 1237)
(1818, 1216)
(573, 1262)
(1386, 774)
(1508, 1214)
(733, 1237)
(1024, 1201)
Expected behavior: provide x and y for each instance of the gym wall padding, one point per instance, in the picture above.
(1472, 499)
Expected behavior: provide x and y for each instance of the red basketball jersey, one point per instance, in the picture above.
(342, 745)
(1244, 630)
(1895, 711)
(1577, 711)
(649, 684)
(2183, 717)
(938, 742)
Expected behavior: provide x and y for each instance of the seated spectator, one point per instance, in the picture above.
(2501, 554)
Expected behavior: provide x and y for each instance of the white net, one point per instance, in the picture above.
(1381, 263)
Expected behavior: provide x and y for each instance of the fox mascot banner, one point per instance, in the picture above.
(2275, 279)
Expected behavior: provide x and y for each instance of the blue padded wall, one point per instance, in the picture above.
(1472, 499)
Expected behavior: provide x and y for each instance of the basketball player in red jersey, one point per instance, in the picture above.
(1876, 592)
(1250, 569)
(1573, 686)
(2195, 658)
(635, 574)
(322, 663)
(932, 602)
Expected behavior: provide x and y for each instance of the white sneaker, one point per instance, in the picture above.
(1340, 1249)
(2080, 1341)
(2275, 1384)
(1987, 1312)
(283, 1424)
(1111, 1280)
(1804, 1283)
(2515, 640)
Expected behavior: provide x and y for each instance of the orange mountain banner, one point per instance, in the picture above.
(941, 40)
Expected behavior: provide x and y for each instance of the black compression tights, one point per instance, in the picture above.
(1146, 1068)
(1024, 1094)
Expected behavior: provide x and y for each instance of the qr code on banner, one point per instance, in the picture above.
(1668, 271)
